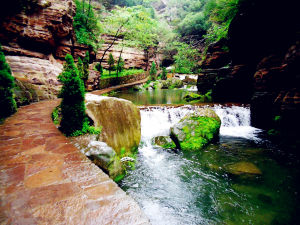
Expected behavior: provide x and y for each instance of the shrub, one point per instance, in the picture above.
(72, 94)
(164, 73)
(99, 68)
(153, 71)
(8, 104)
(111, 63)
(120, 66)
(86, 62)
(80, 68)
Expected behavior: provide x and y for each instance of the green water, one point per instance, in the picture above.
(153, 97)
(175, 187)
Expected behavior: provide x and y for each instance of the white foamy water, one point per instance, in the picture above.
(157, 121)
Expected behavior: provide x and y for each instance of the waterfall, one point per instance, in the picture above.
(157, 121)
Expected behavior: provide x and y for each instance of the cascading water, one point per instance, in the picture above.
(174, 187)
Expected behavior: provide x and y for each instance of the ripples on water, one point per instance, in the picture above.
(174, 187)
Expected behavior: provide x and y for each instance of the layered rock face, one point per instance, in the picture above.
(46, 31)
(120, 121)
(262, 64)
(36, 79)
(133, 57)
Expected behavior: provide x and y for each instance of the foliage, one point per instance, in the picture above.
(72, 94)
(86, 63)
(138, 27)
(164, 73)
(153, 71)
(186, 58)
(111, 63)
(120, 65)
(99, 68)
(123, 73)
(80, 68)
(7, 102)
(86, 25)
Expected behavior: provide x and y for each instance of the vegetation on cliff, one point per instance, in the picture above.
(7, 102)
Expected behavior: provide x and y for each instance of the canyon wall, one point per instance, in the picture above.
(259, 64)
(133, 57)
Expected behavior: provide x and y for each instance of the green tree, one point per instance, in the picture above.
(80, 68)
(120, 66)
(8, 104)
(153, 71)
(86, 25)
(111, 63)
(72, 94)
(86, 64)
(164, 73)
(99, 68)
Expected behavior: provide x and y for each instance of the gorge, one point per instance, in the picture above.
(163, 112)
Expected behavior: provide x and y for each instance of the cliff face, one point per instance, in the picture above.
(34, 43)
(133, 57)
(259, 63)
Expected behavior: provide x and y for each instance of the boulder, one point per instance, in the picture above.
(243, 168)
(196, 130)
(106, 158)
(120, 120)
(164, 142)
(172, 83)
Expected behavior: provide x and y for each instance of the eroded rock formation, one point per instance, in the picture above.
(120, 120)
(259, 64)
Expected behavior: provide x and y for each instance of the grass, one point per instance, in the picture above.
(124, 73)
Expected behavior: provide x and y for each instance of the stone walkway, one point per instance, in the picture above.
(46, 180)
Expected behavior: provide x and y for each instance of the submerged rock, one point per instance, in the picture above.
(164, 142)
(196, 130)
(120, 120)
(243, 168)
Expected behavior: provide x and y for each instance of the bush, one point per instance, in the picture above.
(86, 63)
(164, 73)
(8, 104)
(153, 71)
(99, 68)
(111, 63)
(72, 94)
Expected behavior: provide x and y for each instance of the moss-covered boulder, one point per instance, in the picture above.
(196, 130)
(164, 142)
(171, 83)
(120, 120)
(243, 168)
(194, 97)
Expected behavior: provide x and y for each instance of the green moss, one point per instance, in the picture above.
(203, 133)
(119, 178)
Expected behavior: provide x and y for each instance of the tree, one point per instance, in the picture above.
(86, 25)
(164, 73)
(80, 68)
(111, 63)
(153, 71)
(8, 104)
(86, 64)
(120, 65)
(72, 94)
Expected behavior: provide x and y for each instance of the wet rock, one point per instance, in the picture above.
(36, 78)
(164, 141)
(171, 83)
(196, 130)
(243, 168)
(106, 158)
(120, 120)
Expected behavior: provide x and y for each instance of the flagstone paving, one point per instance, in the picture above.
(45, 180)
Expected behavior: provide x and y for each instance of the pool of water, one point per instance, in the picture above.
(174, 187)
(152, 97)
